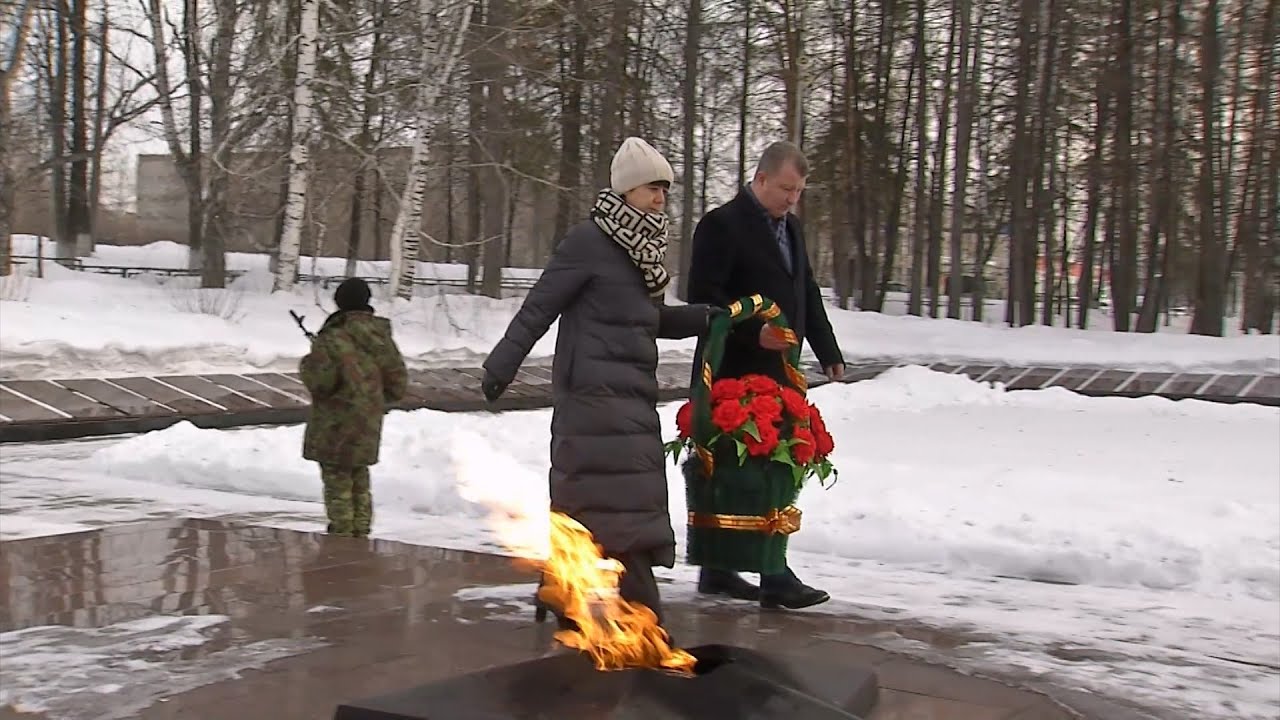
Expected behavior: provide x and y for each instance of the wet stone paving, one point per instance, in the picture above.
(210, 619)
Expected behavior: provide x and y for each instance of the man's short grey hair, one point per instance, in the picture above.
(783, 153)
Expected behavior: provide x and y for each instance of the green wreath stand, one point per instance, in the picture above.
(740, 516)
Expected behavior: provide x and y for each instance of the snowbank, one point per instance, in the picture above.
(72, 323)
(936, 471)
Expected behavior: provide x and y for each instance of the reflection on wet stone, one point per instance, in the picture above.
(223, 620)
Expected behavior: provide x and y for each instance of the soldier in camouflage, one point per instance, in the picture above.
(354, 370)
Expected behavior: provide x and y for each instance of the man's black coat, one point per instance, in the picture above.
(735, 254)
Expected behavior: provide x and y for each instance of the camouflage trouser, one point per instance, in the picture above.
(347, 500)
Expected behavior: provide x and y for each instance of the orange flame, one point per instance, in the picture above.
(617, 634)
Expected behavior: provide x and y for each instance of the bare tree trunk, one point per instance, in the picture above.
(855, 242)
(880, 190)
(99, 134)
(475, 151)
(978, 302)
(793, 75)
(1164, 186)
(968, 80)
(78, 218)
(693, 29)
(379, 184)
(359, 191)
(358, 195)
(284, 134)
(434, 73)
(570, 175)
(1265, 320)
(1124, 267)
(1108, 259)
(611, 105)
(63, 242)
(1149, 310)
(1093, 203)
(217, 217)
(1022, 227)
(197, 166)
(513, 201)
(1046, 197)
(496, 187)
(1257, 240)
(919, 230)
(9, 65)
(450, 202)
(933, 277)
(1230, 133)
(299, 160)
(1210, 302)
(892, 225)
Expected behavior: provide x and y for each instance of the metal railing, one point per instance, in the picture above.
(508, 283)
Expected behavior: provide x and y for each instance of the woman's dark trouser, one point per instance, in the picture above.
(638, 584)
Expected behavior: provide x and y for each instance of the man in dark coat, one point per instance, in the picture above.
(353, 371)
(754, 245)
(605, 282)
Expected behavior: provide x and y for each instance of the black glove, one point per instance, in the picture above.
(492, 387)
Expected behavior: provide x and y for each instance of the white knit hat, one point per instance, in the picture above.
(637, 163)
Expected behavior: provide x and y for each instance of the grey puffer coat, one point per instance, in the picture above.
(607, 466)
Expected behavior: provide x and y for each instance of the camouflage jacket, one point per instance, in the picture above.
(353, 371)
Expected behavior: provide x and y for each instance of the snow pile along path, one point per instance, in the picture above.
(71, 323)
(1046, 485)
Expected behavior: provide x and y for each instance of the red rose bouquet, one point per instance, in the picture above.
(758, 418)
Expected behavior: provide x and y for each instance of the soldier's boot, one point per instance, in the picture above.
(361, 503)
(337, 499)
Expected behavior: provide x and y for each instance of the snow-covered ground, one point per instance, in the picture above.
(72, 323)
(1140, 535)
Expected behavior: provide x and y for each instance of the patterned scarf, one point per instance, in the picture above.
(643, 235)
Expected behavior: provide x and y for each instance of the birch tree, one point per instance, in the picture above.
(187, 164)
(299, 167)
(10, 62)
(432, 79)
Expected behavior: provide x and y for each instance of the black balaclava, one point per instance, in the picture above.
(353, 294)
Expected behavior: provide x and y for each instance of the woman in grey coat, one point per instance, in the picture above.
(605, 282)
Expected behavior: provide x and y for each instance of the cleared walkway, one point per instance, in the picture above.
(34, 410)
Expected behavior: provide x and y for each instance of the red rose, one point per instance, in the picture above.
(684, 420)
(795, 404)
(760, 384)
(766, 410)
(823, 439)
(728, 389)
(767, 443)
(803, 451)
(729, 415)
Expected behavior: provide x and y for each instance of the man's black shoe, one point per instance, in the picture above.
(786, 591)
(724, 582)
(793, 598)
